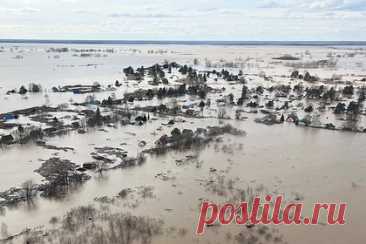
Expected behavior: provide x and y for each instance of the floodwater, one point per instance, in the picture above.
(315, 165)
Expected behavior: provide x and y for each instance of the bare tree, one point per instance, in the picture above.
(54, 220)
(221, 113)
(101, 166)
(4, 230)
(28, 188)
(196, 61)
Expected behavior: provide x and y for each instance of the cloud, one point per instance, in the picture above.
(189, 19)
(84, 12)
(20, 10)
(141, 15)
(270, 4)
(324, 4)
(29, 10)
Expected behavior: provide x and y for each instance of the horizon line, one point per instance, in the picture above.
(182, 42)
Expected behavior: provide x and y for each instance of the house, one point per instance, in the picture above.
(134, 76)
(7, 139)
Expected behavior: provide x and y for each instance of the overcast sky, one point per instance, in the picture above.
(184, 19)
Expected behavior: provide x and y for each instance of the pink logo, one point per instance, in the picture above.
(267, 213)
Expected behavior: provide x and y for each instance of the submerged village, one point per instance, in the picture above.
(170, 107)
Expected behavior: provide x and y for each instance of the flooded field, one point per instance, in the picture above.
(121, 144)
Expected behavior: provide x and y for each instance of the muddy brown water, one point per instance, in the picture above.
(317, 165)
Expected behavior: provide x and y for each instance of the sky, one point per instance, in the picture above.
(229, 20)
